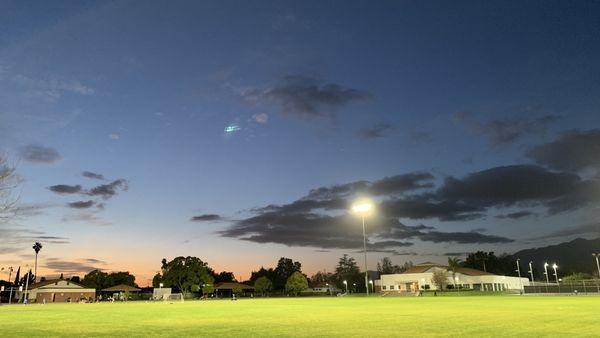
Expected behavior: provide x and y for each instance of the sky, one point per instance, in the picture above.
(240, 132)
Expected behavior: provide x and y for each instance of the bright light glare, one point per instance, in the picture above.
(554, 266)
(362, 207)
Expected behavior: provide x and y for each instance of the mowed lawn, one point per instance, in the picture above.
(476, 316)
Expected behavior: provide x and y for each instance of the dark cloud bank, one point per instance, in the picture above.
(320, 219)
(308, 96)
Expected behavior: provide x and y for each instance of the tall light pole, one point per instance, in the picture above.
(346, 285)
(597, 255)
(546, 273)
(554, 266)
(531, 272)
(519, 273)
(363, 208)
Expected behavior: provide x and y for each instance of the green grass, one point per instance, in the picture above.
(475, 316)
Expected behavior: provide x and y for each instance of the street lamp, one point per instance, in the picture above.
(554, 266)
(519, 273)
(372, 288)
(363, 208)
(160, 285)
(346, 285)
(597, 255)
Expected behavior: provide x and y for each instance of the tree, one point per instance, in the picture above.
(207, 289)
(100, 280)
(183, 272)
(454, 265)
(347, 270)
(37, 246)
(440, 279)
(489, 262)
(296, 283)
(386, 267)
(96, 279)
(285, 268)
(224, 277)
(321, 278)
(121, 277)
(236, 290)
(262, 272)
(263, 285)
(577, 276)
(74, 279)
(8, 182)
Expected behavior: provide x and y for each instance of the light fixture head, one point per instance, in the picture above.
(362, 207)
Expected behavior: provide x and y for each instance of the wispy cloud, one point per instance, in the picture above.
(39, 154)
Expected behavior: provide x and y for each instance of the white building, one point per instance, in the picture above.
(59, 290)
(420, 277)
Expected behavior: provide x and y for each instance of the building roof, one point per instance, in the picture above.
(232, 285)
(423, 267)
(121, 288)
(50, 282)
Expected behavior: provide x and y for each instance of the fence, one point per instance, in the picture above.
(577, 287)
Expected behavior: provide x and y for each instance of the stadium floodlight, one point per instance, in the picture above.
(546, 272)
(363, 208)
(519, 274)
(346, 285)
(597, 256)
(160, 285)
(554, 266)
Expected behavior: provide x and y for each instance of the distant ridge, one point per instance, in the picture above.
(573, 256)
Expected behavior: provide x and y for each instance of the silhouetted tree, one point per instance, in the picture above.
(347, 270)
(184, 272)
(37, 246)
(285, 268)
(454, 264)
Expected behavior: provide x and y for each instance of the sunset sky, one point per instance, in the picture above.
(241, 132)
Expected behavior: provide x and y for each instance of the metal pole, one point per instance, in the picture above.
(519, 273)
(365, 247)
(598, 265)
(546, 273)
(531, 272)
(25, 299)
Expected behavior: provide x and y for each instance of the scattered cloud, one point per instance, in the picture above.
(517, 215)
(66, 189)
(107, 191)
(573, 151)
(114, 136)
(92, 175)
(307, 96)
(206, 218)
(86, 217)
(81, 204)
(579, 230)
(39, 154)
(420, 137)
(505, 131)
(376, 131)
(78, 266)
(261, 118)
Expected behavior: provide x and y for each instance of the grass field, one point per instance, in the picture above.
(476, 316)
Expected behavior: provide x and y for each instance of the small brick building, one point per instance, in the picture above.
(59, 290)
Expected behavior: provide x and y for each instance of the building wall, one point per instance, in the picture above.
(64, 296)
(419, 281)
(60, 291)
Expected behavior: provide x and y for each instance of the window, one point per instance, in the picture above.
(383, 287)
(391, 287)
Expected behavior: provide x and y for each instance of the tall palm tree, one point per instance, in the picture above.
(36, 247)
(454, 265)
